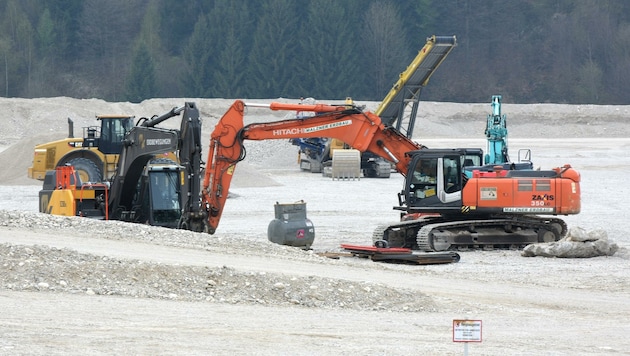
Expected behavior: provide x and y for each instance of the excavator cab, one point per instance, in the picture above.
(436, 178)
(158, 196)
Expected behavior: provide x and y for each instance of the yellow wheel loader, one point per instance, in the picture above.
(94, 156)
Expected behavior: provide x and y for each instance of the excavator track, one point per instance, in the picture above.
(438, 234)
(394, 235)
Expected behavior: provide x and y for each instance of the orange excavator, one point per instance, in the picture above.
(492, 208)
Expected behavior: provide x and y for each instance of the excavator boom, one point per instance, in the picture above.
(362, 130)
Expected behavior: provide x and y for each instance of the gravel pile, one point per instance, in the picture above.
(50, 269)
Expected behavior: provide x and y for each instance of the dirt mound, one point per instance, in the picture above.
(18, 157)
(47, 117)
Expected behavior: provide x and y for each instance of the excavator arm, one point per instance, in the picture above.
(496, 133)
(189, 154)
(360, 129)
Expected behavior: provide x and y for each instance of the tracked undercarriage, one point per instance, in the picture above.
(437, 233)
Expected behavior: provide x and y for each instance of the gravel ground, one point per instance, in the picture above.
(76, 286)
(62, 270)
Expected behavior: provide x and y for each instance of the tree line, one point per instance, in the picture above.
(561, 51)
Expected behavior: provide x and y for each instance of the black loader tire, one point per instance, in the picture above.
(87, 170)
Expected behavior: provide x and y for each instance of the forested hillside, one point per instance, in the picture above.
(560, 51)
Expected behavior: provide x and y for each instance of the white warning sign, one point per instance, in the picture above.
(466, 330)
(488, 193)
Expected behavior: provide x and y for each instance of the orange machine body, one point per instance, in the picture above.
(555, 192)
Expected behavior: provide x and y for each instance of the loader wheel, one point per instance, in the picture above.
(87, 170)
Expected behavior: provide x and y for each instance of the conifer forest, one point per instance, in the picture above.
(536, 51)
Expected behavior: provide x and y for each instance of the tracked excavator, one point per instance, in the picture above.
(496, 134)
(494, 208)
(145, 188)
(497, 140)
(497, 145)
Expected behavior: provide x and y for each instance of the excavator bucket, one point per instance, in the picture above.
(346, 164)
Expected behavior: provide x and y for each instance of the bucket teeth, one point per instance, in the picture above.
(346, 164)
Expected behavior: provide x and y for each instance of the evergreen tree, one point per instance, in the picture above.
(327, 67)
(386, 47)
(5, 49)
(233, 26)
(107, 35)
(45, 68)
(178, 22)
(65, 15)
(140, 82)
(273, 59)
(17, 39)
(197, 54)
(46, 34)
(150, 36)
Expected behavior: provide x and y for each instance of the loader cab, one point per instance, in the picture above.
(110, 135)
(435, 179)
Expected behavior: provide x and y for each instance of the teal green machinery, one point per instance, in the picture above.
(496, 133)
(497, 146)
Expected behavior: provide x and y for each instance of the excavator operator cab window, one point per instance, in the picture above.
(91, 136)
(425, 171)
(469, 162)
(165, 190)
(452, 174)
(435, 182)
(424, 182)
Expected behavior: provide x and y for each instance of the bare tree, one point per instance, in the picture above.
(384, 43)
(4, 52)
(107, 31)
(17, 35)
